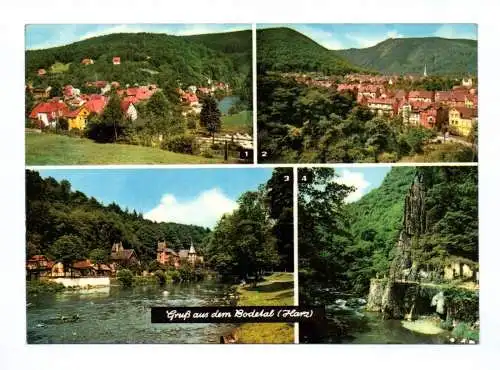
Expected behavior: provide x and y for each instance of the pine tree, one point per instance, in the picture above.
(210, 116)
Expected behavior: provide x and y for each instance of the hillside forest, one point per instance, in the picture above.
(146, 58)
(67, 225)
(286, 50)
(345, 245)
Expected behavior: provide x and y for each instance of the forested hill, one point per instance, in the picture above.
(55, 212)
(226, 42)
(145, 58)
(451, 214)
(286, 50)
(410, 55)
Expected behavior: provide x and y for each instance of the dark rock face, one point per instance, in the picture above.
(404, 267)
(396, 300)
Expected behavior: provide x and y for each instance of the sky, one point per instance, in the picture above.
(41, 36)
(364, 179)
(345, 36)
(187, 196)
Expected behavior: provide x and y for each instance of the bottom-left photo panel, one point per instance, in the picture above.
(104, 246)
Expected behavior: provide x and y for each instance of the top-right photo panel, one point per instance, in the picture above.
(359, 93)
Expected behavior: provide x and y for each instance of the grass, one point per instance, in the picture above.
(240, 122)
(276, 290)
(447, 152)
(58, 67)
(52, 149)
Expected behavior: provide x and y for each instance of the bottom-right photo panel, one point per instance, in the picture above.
(391, 253)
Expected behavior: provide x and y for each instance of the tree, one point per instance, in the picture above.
(279, 199)
(323, 226)
(67, 249)
(242, 243)
(210, 116)
(56, 91)
(158, 105)
(99, 255)
(125, 277)
(111, 125)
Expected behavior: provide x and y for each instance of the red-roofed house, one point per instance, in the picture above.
(368, 91)
(204, 90)
(68, 90)
(139, 93)
(382, 107)
(38, 266)
(116, 60)
(166, 255)
(48, 113)
(122, 257)
(421, 96)
(429, 118)
(190, 98)
(96, 104)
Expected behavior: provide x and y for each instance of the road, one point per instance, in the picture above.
(452, 139)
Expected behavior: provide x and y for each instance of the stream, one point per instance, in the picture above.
(118, 315)
(348, 322)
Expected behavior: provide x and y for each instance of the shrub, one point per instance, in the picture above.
(216, 146)
(173, 275)
(191, 122)
(388, 157)
(207, 153)
(462, 330)
(160, 276)
(185, 143)
(43, 286)
(125, 277)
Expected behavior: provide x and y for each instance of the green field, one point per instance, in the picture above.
(51, 149)
(275, 290)
(239, 122)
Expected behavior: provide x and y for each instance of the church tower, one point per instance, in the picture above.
(192, 253)
(425, 70)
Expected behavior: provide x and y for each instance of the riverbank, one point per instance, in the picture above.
(275, 290)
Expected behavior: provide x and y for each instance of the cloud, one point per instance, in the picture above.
(366, 41)
(450, 31)
(204, 210)
(355, 179)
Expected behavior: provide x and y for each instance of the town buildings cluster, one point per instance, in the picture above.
(76, 107)
(453, 110)
(40, 266)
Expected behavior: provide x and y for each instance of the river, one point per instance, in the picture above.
(118, 315)
(227, 102)
(348, 322)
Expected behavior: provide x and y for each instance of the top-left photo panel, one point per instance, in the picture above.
(109, 94)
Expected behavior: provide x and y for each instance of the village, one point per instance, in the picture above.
(76, 107)
(453, 111)
(87, 273)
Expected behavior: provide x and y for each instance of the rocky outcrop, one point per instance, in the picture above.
(376, 294)
(404, 266)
